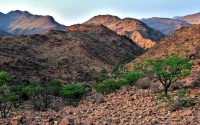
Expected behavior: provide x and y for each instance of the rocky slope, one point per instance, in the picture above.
(129, 106)
(134, 29)
(22, 22)
(185, 42)
(165, 25)
(192, 18)
(4, 33)
(77, 54)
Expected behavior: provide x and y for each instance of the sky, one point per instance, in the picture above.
(69, 12)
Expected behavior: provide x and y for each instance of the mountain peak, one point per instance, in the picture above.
(24, 23)
(136, 30)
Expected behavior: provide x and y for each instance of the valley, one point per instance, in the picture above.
(98, 72)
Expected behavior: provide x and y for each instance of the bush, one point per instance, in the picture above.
(109, 86)
(132, 77)
(144, 83)
(39, 95)
(8, 97)
(71, 93)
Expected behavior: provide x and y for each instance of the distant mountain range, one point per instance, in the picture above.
(165, 25)
(136, 30)
(4, 33)
(170, 25)
(192, 18)
(22, 22)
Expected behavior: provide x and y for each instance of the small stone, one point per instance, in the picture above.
(45, 115)
(182, 114)
(93, 118)
(134, 97)
(67, 121)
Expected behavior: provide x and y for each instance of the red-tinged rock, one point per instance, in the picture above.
(134, 97)
(67, 121)
(182, 114)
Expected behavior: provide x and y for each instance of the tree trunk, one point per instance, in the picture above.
(166, 90)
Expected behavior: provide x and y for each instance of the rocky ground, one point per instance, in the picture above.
(129, 106)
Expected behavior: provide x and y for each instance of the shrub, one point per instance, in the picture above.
(73, 92)
(109, 86)
(55, 87)
(132, 77)
(144, 83)
(8, 97)
(39, 95)
(103, 70)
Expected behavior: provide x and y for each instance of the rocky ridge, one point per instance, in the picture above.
(192, 18)
(24, 23)
(134, 29)
(71, 56)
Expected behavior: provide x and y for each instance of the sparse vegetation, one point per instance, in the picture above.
(178, 100)
(109, 86)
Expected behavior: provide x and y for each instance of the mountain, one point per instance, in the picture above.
(184, 42)
(193, 18)
(176, 17)
(73, 55)
(165, 25)
(4, 33)
(24, 23)
(136, 30)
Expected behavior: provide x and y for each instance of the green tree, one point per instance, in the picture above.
(170, 69)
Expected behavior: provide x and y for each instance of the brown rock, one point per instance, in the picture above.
(93, 118)
(16, 120)
(67, 121)
(134, 97)
(45, 115)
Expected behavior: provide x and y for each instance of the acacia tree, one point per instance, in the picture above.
(170, 69)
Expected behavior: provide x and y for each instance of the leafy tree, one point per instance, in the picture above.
(170, 69)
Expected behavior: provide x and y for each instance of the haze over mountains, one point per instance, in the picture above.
(22, 22)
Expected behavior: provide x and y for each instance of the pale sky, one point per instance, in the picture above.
(70, 12)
